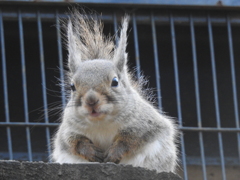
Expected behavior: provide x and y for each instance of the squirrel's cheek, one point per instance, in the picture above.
(81, 111)
(107, 108)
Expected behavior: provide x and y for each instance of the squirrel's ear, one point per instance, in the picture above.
(120, 55)
(74, 54)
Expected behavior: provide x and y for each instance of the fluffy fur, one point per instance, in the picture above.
(107, 118)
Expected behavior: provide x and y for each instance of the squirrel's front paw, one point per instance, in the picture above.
(87, 150)
(114, 154)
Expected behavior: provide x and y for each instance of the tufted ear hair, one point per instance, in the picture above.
(120, 55)
(74, 53)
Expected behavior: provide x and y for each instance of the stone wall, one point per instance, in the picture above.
(15, 170)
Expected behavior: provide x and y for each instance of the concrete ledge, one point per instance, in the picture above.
(15, 170)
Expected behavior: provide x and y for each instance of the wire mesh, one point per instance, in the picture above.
(164, 63)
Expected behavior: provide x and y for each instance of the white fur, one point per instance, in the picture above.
(64, 157)
(140, 158)
(101, 134)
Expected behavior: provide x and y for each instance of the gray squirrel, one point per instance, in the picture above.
(107, 117)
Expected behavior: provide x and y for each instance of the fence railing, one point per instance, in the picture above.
(21, 22)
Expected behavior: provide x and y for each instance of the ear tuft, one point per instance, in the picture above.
(74, 56)
(120, 55)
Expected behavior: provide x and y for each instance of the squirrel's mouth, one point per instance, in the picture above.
(95, 113)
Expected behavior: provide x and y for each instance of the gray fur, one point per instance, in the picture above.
(120, 55)
(117, 121)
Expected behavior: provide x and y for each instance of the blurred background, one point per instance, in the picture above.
(188, 50)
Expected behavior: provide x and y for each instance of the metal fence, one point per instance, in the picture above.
(192, 59)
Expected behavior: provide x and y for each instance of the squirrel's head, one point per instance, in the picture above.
(98, 72)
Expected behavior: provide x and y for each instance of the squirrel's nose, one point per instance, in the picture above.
(91, 98)
(92, 102)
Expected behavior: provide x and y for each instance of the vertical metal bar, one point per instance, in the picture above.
(174, 47)
(155, 50)
(216, 96)
(234, 88)
(60, 60)
(137, 57)
(197, 94)
(42, 64)
(24, 85)
(5, 86)
(115, 27)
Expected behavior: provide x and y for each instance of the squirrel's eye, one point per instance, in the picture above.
(73, 87)
(114, 82)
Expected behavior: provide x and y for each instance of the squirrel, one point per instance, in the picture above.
(108, 117)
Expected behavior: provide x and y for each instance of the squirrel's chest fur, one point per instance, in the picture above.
(101, 133)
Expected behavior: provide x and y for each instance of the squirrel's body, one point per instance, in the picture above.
(107, 119)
